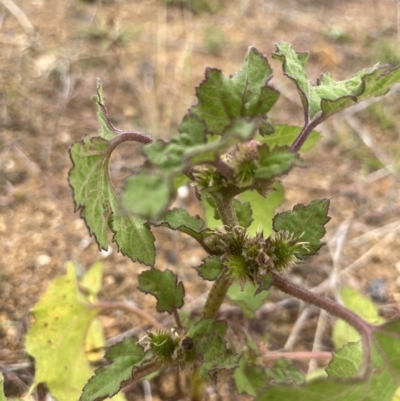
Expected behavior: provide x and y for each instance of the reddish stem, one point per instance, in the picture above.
(364, 328)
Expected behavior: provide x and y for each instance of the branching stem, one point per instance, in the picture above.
(224, 203)
(304, 134)
(335, 309)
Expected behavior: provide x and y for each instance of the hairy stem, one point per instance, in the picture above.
(302, 137)
(335, 309)
(224, 203)
(216, 296)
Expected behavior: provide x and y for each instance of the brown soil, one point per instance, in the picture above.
(150, 57)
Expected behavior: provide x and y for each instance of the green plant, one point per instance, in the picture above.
(234, 156)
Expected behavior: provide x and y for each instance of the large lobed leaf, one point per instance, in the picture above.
(330, 96)
(95, 198)
(57, 338)
(221, 100)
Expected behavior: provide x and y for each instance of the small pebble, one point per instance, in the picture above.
(43, 260)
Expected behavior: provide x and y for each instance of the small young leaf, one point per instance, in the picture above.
(177, 218)
(284, 135)
(125, 358)
(306, 223)
(346, 361)
(221, 100)
(246, 298)
(165, 287)
(211, 268)
(329, 96)
(180, 219)
(276, 162)
(170, 156)
(188, 149)
(95, 198)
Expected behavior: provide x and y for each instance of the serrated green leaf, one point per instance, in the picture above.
(89, 180)
(329, 96)
(180, 219)
(177, 218)
(221, 100)
(276, 162)
(362, 306)
(263, 209)
(246, 298)
(381, 385)
(106, 130)
(146, 194)
(346, 361)
(95, 198)
(165, 287)
(170, 156)
(305, 222)
(284, 135)
(57, 338)
(125, 358)
(211, 268)
(188, 149)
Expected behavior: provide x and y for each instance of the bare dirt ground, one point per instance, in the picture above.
(150, 57)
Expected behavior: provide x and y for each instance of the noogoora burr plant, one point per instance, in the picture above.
(227, 147)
